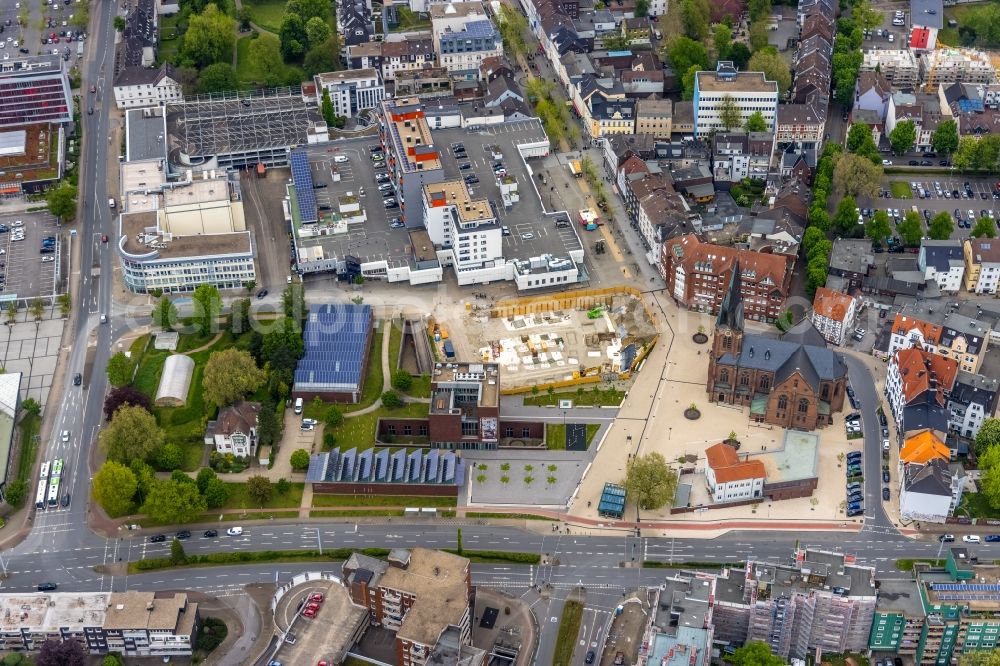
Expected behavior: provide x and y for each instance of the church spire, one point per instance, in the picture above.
(731, 311)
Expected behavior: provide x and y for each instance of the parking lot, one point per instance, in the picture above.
(25, 271)
(939, 195)
(27, 24)
(319, 635)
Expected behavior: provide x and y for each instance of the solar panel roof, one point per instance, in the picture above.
(303, 181)
(336, 344)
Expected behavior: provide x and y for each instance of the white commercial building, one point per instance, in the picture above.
(749, 91)
(351, 90)
(943, 262)
(463, 36)
(730, 479)
(139, 87)
(833, 315)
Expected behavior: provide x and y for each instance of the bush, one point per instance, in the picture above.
(334, 417)
(16, 493)
(391, 400)
(300, 460)
(213, 632)
(282, 486)
(402, 380)
(168, 458)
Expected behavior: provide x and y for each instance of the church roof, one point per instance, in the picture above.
(785, 357)
(804, 333)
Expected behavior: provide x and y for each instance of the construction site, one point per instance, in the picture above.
(559, 340)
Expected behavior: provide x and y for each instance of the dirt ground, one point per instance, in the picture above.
(626, 631)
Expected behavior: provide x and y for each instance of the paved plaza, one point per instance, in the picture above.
(32, 348)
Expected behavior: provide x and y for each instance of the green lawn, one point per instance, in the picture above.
(238, 498)
(372, 388)
(555, 435)
(169, 43)
(976, 505)
(381, 500)
(900, 190)
(949, 36)
(569, 627)
(266, 14)
(593, 397)
(29, 449)
(421, 386)
(409, 20)
(359, 431)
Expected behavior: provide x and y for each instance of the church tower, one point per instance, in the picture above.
(728, 336)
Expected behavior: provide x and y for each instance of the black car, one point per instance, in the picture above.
(464, 166)
(46, 587)
(4, 228)
(855, 512)
(881, 415)
(913, 163)
(885, 494)
(183, 534)
(210, 533)
(944, 163)
(157, 538)
(77, 379)
(885, 476)
(262, 293)
(65, 500)
(992, 538)
(589, 659)
(390, 204)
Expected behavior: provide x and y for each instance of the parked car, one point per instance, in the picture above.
(885, 494)
(885, 476)
(992, 538)
(183, 534)
(971, 538)
(946, 538)
(47, 587)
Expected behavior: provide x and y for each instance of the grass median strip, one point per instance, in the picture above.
(906, 564)
(508, 516)
(569, 627)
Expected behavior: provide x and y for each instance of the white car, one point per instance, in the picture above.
(971, 538)
(17, 223)
(234, 531)
(311, 422)
(48, 260)
(886, 162)
(527, 236)
(340, 159)
(65, 435)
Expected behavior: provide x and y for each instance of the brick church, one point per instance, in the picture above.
(792, 381)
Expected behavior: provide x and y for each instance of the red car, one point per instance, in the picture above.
(321, 663)
(316, 598)
(309, 612)
(104, 238)
(313, 606)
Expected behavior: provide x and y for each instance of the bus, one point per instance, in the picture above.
(54, 478)
(57, 466)
(43, 486)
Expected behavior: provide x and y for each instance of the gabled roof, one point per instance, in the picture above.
(984, 250)
(922, 448)
(831, 304)
(941, 255)
(902, 325)
(923, 372)
(240, 417)
(728, 467)
(930, 479)
(874, 81)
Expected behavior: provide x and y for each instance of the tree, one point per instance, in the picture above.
(945, 137)
(300, 460)
(988, 436)
(293, 301)
(308, 9)
(759, 9)
(269, 426)
(649, 481)
(756, 123)
(113, 487)
(878, 228)
(264, 55)
(61, 201)
(773, 66)
(119, 369)
(685, 52)
(317, 31)
(132, 433)
(860, 140)
(31, 406)
(209, 38)
(177, 554)
(402, 380)
(758, 36)
(15, 493)
(687, 82)
(119, 23)
(327, 107)
(61, 653)
(941, 226)
(722, 40)
(171, 501)
(985, 228)
(641, 8)
(324, 57)
(980, 658)
(205, 475)
(284, 340)
(729, 113)
(391, 400)
(845, 220)
(755, 653)
(123, 396)
(282, 486)
(37, 308)
(293, 36)
(112, 660)
(207, 306)
(164, 314)
(169, 457)
(217, 77)
(856, 176)
(65, 302)
(911, 229)
(259, 489)
(12, 308)
(229, 375)
(216, 493)
(903, 136)
(239, 316)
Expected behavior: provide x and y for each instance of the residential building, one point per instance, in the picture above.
(406, 54)
(944, 262)
(731, 479)
(950, 65)
(34, 89)
(136, 44)
(463, 224)
(930, 492)
(365, 56)
(982, 265)
(654, 116)
(419, 595)
(699, 277)
(972, 400)
(749, 91)
(852, 260)
(740, 155)
(680, 624)
(834, 314)
(802, 124)
(611, 116)
(873, 92)
(908, 331)
(958, 337)
(926, 19)
(899, 67)
(175, 237)
(337, 350)
(412, 158)
(793, 381)
(351, 90)
(917, 380)
(923, 447)
(463, 36)
(150, 624)
(235, 429)
(354, 22)
(138, 87)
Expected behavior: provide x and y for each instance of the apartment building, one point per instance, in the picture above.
(351, 90)
(465, 225)
(463, 37)
(899, 67)
(802, 124)
(406, 54)
(972, 400)
(423, 596)
(740, 155)
(982, 265)
(918, 381)
(930, 492)
(951, 65)
(681, 624)
(611, 116)
(654, 116)
(957, 337)
(834, 314)
(942, 261)
(412, 158)
(749, 91)
(138, 87)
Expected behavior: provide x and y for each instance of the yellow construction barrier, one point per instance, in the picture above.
(580, 299)
(565, 383)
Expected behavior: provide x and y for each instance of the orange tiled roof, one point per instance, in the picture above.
(831, 304)
(902, 325)
(917, 367)
(923, 448)
(722, 458)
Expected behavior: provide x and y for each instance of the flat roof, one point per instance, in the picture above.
(145, 131)
(138, 176)
(199, 191)
(346, 75)
(927, 13)
(38, 157)
(456, 193)
(47, 613)
(797, 458)
(439, 582)
(411, 134)
(145, 610)
(139, 240)
(740, 82)
(485, 375)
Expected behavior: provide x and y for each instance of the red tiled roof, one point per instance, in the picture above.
(917, 367)
(831, 304)
(902, 325)
(697, 256)
(728, 467)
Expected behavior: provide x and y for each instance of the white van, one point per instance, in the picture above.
(111, 203)
(298, 405)
(340, 159)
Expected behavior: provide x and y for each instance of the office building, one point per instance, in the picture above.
(351, 91)
(749, 91)
(411, 156)
(34, 89)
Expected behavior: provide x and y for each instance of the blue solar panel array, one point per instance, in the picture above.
(971, 587)
(303, 181)
(433, 467)
(336, 342)
(479, 29)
